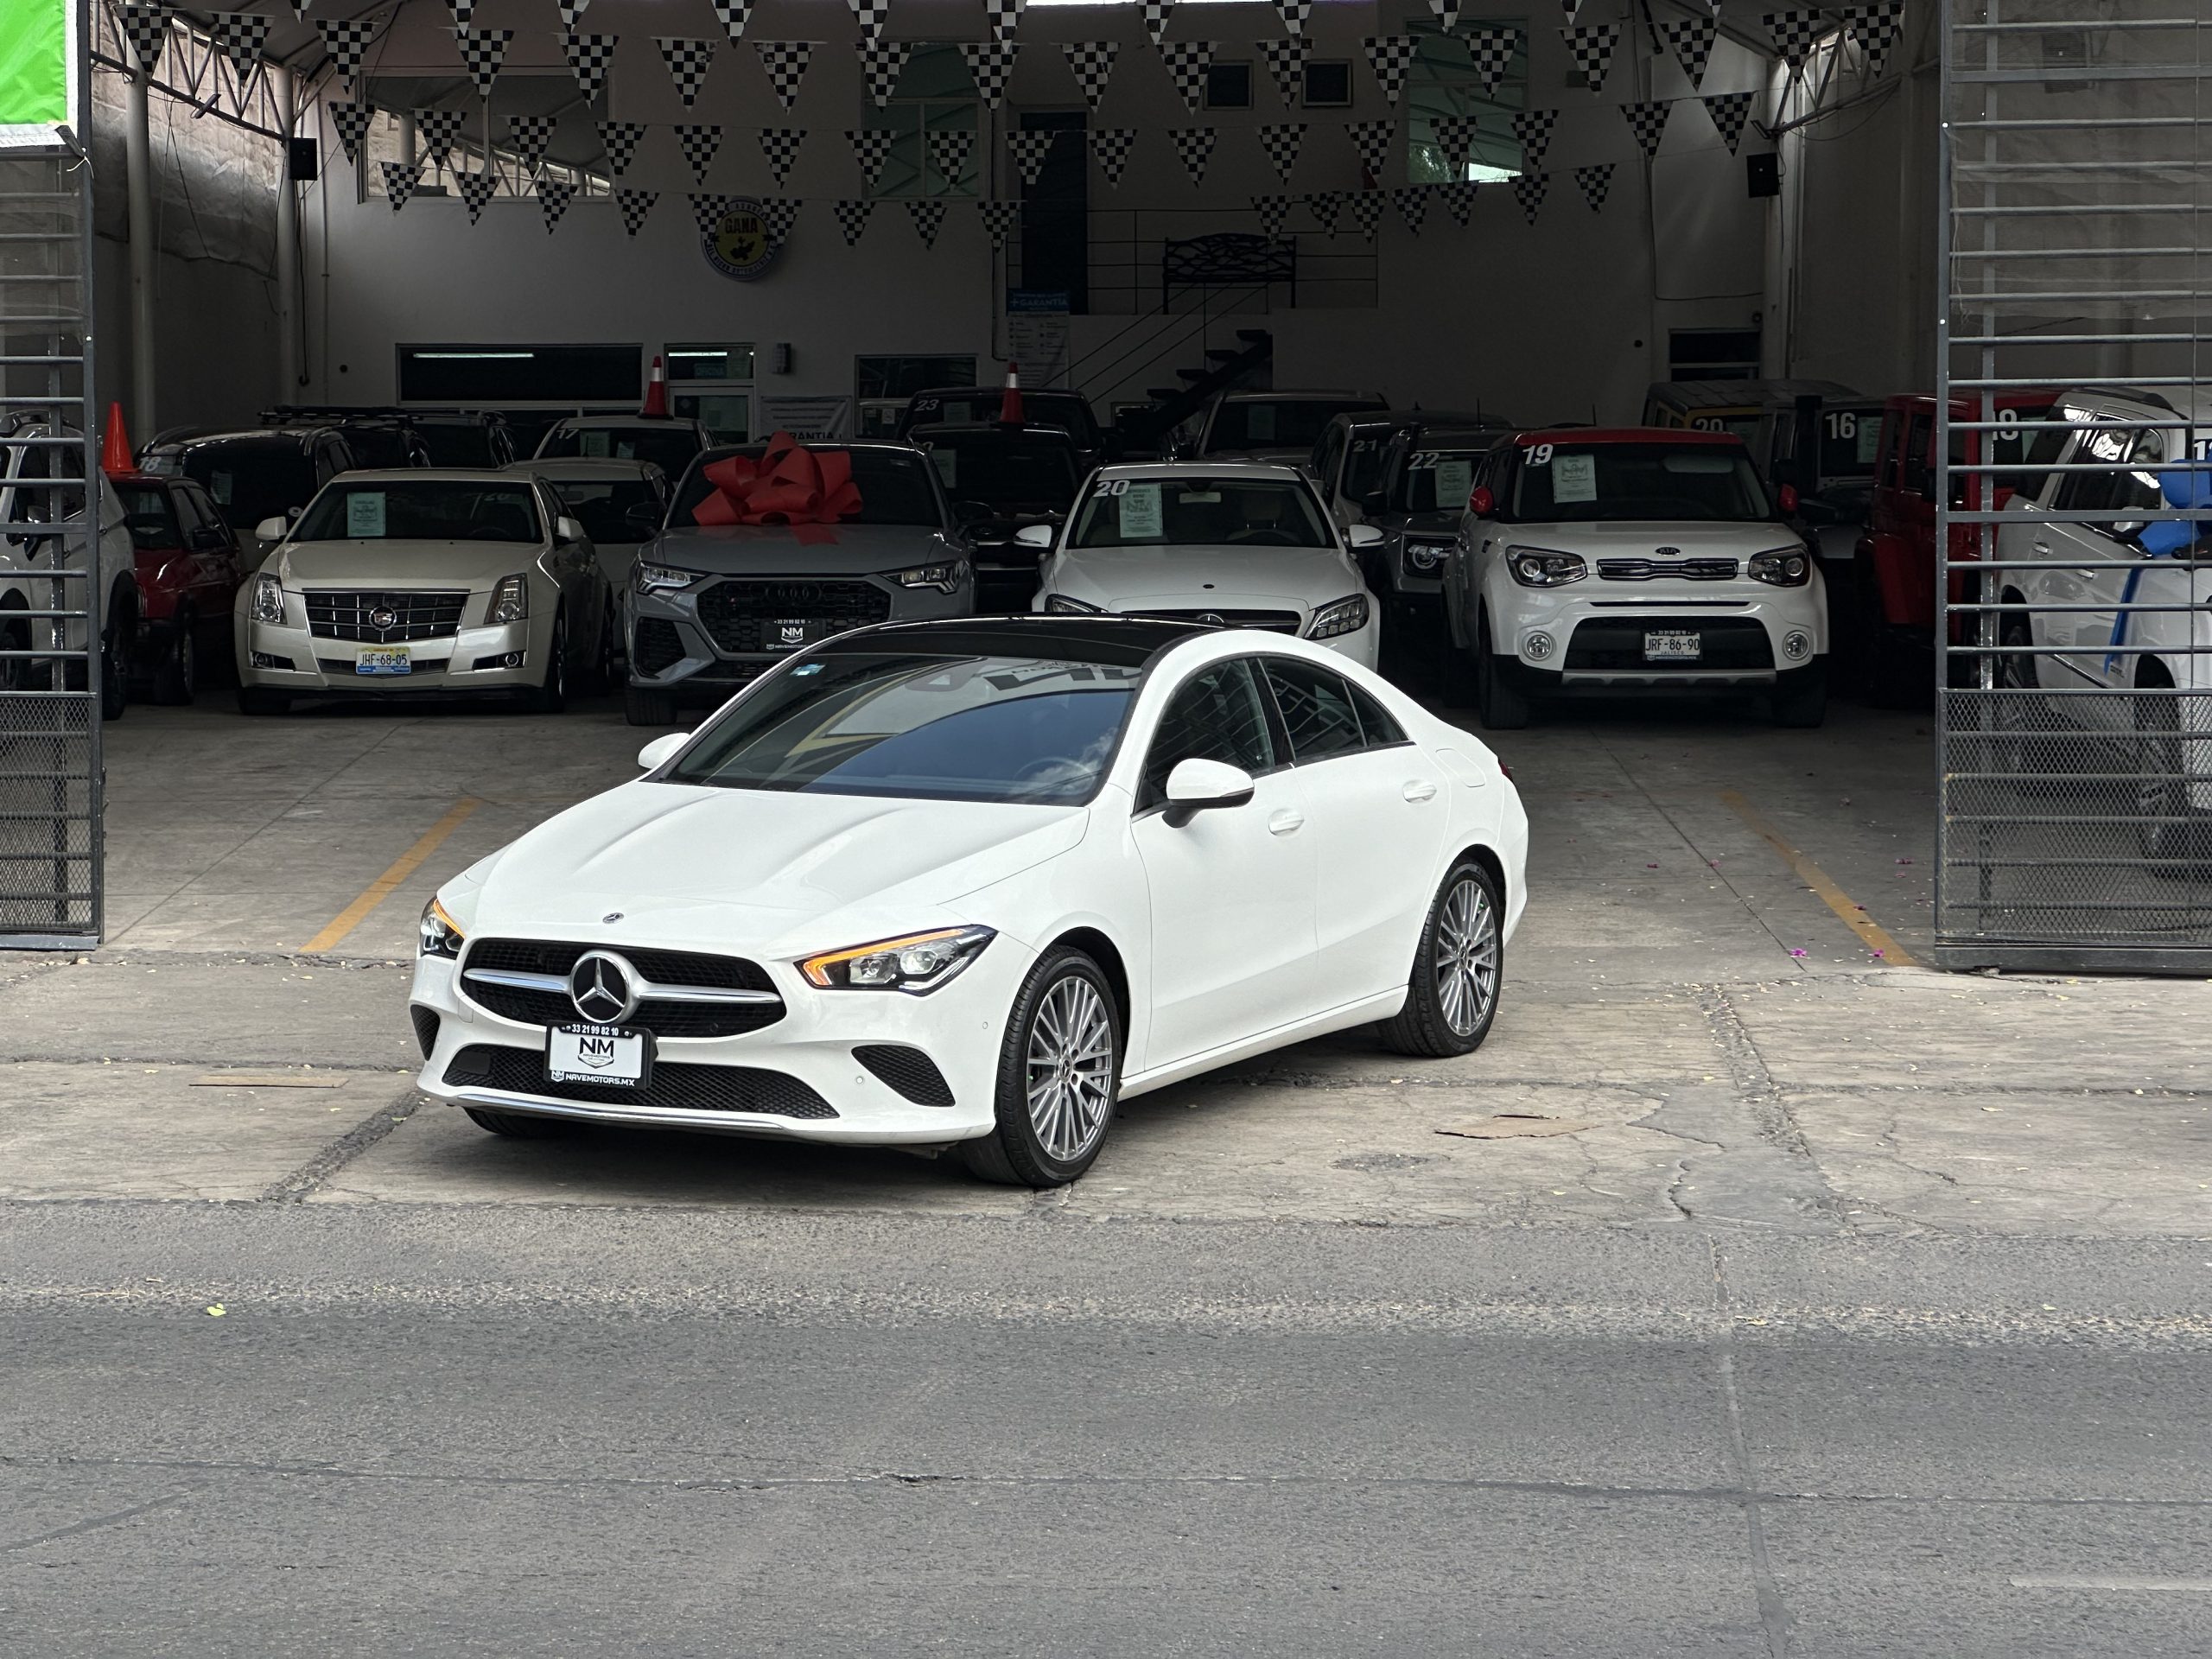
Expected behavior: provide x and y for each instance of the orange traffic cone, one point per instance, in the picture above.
(656, 405)
(1010, 402)
(115, 447)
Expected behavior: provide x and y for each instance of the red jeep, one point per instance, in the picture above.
(190, 566)
(1895, 564)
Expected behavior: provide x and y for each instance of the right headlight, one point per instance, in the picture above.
(1781, 567)
(268, 599)
(1541, 567)
(918, 964)
(659, 578)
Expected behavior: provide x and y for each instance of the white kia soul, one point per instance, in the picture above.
(1632, 559)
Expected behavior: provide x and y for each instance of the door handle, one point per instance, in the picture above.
(1420, 790)
(1285, 823)
(2042, 547)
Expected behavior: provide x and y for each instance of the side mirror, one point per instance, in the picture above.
(1037, 536)
(661, 750)
(1481, 502)
(1364, 535)
(568, 529)
(272, 528)
(210, 539)
(969, 514)
(644, 518)
(1789, 498)
(1196, 786)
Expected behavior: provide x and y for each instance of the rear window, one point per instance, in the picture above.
(457, 443)
(1850, 439)
(669, 447)
(1278, 424)
(252, 478)
(149, 517)
(603, 505)
(1696, 482)
(434, 510)
(379, 447)
(1070, 415)
(894, 487)
(1004, 472)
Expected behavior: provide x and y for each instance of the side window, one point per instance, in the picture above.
(1915, 479)
(1324, 463)
(1886, 463)
(184, 504)
(1376, 725)
(1317, 710)
(1218, 716)
(2098, 492)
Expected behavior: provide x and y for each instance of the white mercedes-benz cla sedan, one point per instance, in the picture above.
(966, 883)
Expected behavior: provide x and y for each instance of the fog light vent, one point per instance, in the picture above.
(1797, 645)
(1537, 646)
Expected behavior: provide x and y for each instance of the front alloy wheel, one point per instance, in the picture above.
(1060, 1071)
(1451, 995)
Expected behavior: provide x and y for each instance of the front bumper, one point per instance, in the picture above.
(671, 649)
(287, 657)
(1596, 633)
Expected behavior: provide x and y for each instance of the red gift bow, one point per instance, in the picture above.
(789, 485)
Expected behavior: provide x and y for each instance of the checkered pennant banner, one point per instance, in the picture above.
(1272, 211)
(1874, 26)
(572, 12)
(1091, 62)
(476, 189)
(400, 179)
(1572, 8)
(1110, 147)
(881, 64)
(1490, 50)
(1294, 14)
(241, 34)
(1595, 181)
(635, 206)
(1030, 148)
(698, 144)
(1793, 33)
(1690, 39)
(1446, 13)
(1529, 190)
(1286, 63)
(870, 149)
(1648, 121)
(437, 129)
(1455, 137)
(1729, 111)
(1283, 141)
(345, 39)
(999, 218)
(1155, 13)
(927, 216)
(483, 50)
(707, 211)
(779, 146)
(1325, 207)
(1590, 46)
(529, 135)
(351, 120)
(589, 56)
(1367, 212)
(777, 215)
(147, 28)
(1460, 201)
(1188, 61)
(1005, 16)
(1390, 56)
(464, 12)
(733, 15)
(852, 218)
(785, 62)
(948, 152)
(1534, 129)
(1372, 139)
(1411, 200)
(1195, 146)
(553, 196)
(990, 65)
(871, 15)
(620, 139)
(688, 59)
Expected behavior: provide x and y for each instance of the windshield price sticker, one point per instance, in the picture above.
(1454, 480)
(594, 441)
(1575, 478)
(364, 515)
(1140, 516)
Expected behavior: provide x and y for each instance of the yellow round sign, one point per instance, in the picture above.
(737, 243)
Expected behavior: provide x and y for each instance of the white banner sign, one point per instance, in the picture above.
(811, 420)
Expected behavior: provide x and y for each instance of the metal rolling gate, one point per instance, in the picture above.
(50, 835)
(2074, 445)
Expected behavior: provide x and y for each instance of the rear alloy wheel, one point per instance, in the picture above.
(176, 677)
(518, 1126)
(1059, 1073)
(2167, 830)
(1451, 997)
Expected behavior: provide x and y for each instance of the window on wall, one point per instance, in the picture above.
(934, 96)
(712, 384)
(1229, 86)
(1328, 84)
(573, 153)
(1442, 83)
(1713, 354)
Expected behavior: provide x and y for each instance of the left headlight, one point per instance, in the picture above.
(440, 935)
(919, 963)
(944, 578)
(1346, 616)
(1781, 567)
(510, 600)
(268, 599)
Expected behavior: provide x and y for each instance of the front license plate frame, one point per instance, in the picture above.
(383, 660)
(787, 633)
(1673, 645)
(608, 1056)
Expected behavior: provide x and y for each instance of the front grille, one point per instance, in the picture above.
(1660, 569)
(662, 967)
(426, 1027)
(345, 668)
(1732, 643)
(335, 615)
(673, 1085)
(908, 1070)
(1274, 622)
(744, 616)
(657, 647)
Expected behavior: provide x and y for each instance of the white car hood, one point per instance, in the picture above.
(402, 563)
(1182, 578)
(766, 871)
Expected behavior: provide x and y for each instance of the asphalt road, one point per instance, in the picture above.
(551, 1430)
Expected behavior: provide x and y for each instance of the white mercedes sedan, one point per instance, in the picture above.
(1237, 545)
(967, 883)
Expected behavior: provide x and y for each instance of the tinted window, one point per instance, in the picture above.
(252, 478)
(147, 515)
(458, 443)
(1849, 439)
(1581, 482)
(1376, 724)
(1219, 715)
(893, 486)
(434, 510)
(1363, 467)
(669, 447)
(380, 447)
(1278, 424)
(1071, 415)
(1915, 473)
(1436, 481)
(1187, 511)
(1317, 709)
(2114, 492)
(602, 505)
(1007, 472)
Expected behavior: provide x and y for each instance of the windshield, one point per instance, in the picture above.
(1850, 438)
(1199, 512)
(1561, 482)
(1278, 424)
(148, 515)
(1069, 414)
(434, 510)
(668, 447)
(1006, 471)
(457, 443)
(253, 479)
(948, 728)
(894, 487)
(603, 505)
(1436, 481)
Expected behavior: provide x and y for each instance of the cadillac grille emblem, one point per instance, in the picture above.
(384, 617)
(604, 988)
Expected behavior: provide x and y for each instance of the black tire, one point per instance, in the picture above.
(260, 700)
(1504, 707)
(2023, 752)
(600, 678)
(2167, 829)
(1800, 699)
(1065, 993)
(176, 677)
(1459, 970)
(551, 695)
(1891, 660)
(641, 706)
(115, 646)
(518, 1126)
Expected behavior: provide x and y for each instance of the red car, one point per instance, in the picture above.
(1894, 561)
(190, 566)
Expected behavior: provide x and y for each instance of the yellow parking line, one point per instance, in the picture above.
(381, 889)
(1870, 932)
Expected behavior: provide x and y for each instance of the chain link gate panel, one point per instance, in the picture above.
(2073, 513)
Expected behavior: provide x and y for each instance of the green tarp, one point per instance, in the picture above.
(34, 62)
